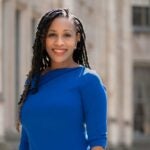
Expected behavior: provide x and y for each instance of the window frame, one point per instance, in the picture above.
(141, 24)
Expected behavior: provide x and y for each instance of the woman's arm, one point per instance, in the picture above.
(97, 148)
(94, 98)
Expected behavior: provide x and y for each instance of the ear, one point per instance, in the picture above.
(78, 36)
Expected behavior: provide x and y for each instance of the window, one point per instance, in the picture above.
(141, 101)
(139, 111)
(141, 18)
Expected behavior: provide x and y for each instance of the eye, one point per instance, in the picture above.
(51, 35)
(67, 35)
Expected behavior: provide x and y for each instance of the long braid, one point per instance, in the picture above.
(81, 55)
(41, 59)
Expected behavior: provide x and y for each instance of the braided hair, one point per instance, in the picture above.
(41, 59)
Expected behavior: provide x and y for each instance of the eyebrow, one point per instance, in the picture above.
(51, 30)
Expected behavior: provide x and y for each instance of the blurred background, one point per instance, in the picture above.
(118, 43)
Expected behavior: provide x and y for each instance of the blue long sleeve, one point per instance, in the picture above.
(54, 118)
(24, 140)
(95, 109)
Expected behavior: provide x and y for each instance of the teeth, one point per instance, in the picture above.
(59, 51)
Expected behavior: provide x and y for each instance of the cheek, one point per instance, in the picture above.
(48, 43)
(72, 44)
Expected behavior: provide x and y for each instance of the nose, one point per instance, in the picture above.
(59, 41)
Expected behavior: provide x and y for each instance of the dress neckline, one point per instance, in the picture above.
(60, 69)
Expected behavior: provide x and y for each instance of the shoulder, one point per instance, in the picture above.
(89, 76)
(90, 83)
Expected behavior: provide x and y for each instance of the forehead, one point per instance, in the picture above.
(63, 23)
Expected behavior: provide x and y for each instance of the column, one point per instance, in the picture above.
(100, 38)
(25, 46)
(1, 98)
(127, 72)
(8, 70)
(112, 71)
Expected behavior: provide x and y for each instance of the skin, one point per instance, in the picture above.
(97, 148)
(62, 38)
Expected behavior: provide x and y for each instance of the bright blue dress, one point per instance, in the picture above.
(69, 112)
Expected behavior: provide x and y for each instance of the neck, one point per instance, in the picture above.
(63, 65)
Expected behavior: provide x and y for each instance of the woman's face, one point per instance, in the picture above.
(61, 40)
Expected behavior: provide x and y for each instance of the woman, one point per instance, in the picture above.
(63, 105)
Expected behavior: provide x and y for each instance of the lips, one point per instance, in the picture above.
(59, 52)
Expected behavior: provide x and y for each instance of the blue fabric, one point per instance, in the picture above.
(69, 112)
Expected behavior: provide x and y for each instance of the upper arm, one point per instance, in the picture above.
(93, 94)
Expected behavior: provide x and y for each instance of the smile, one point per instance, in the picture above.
(59, 51)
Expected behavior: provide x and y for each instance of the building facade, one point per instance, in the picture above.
(118, 35)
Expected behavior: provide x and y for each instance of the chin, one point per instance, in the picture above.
(58, 61)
